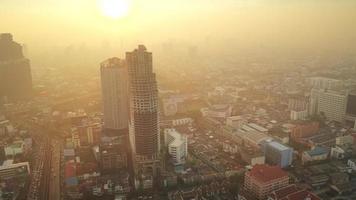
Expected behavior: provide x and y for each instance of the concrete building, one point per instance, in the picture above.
(304, 129)
(316, 154)
(263, 179)
(113, 157)
(344, 140)
(15, 148)
(292, 192)
(9, 170)
(333, 105)
(325, 83)
(177, 145)
(144, 111)
(352, 164)
(236, 121)
(217, 111)
(278, 154)
(114, 84)
(85, 135)
(299, 115)
(15, 71)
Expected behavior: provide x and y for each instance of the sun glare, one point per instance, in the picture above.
(115, 8)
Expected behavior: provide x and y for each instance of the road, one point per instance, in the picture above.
(55, 183)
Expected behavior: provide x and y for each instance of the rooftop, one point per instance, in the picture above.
(278, 146)
(318, 151)
(266, 173)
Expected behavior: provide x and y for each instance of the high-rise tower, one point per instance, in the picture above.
(114, 84)
(15, 72)
(144, 114)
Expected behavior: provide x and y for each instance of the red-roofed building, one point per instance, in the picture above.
(263, 179)
(292, 192)
(70, 170)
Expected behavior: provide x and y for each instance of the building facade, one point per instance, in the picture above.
(278, 154)
(114, 84)
(263, 179)
(332, 104)
(177, 145)
(15, 71)
(144, 112)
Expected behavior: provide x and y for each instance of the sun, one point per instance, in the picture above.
(115, 8)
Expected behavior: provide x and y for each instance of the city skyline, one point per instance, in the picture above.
(177, 100)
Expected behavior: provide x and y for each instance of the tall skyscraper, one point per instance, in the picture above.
(144, 114)
(15, 72)
(114, 83)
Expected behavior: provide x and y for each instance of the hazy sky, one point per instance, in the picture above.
(290, 23)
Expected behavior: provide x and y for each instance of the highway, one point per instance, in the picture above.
(55, 183)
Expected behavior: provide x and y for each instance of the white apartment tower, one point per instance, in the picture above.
(333, 105)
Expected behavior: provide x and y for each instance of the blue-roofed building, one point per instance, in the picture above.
(278, 154)
(72, 181)
(316, 154)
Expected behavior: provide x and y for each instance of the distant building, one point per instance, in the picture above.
(177, 145)
(263, 179)
(351, 104)
(217, 111)
(278, 154)
(170, 106)
(114, 84)
(325, 83)
(15, 71)
(297, 103)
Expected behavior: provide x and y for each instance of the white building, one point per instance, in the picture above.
(15, 148)
(324, 83)
(114, 84)
(298, 115)
(352, 164)
(177, 144)
(182, 121)
(333, 105)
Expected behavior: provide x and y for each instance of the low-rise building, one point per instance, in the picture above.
(15, 148)
(292, 192)
(10, 170)
(316, 154)
(177, 145)
(352, 163)
(263, 179)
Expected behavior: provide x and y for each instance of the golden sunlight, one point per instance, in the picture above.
(115, 8)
